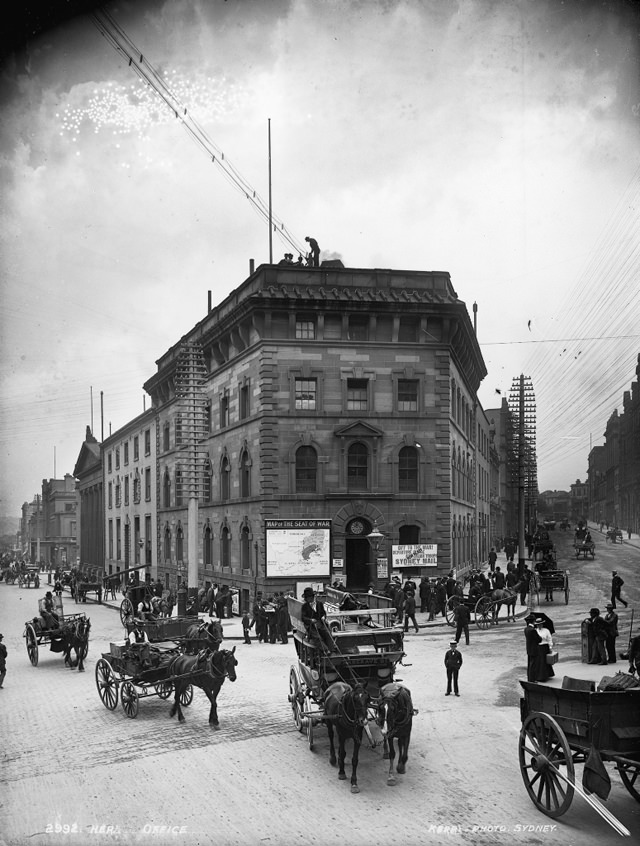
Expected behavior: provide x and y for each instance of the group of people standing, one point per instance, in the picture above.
(270, 619)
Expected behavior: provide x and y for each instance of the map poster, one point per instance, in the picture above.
(298, 548)
(414, 555)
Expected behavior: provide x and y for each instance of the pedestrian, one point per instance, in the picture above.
(498, 579)
(409, 609)
(597, 637)
(532, 641)
(314, 255)
(452, 662)
(634, 655)
(3, 661)
(616, 587)
(543, 671)
(493, 557)
(260, 619)
(525, 583)
(211, 599)
(246, 627)
(441, 597)
(461, 617)
(450, 585)
(282, 618)
(432, 602)
(611, 622)
(424, 591)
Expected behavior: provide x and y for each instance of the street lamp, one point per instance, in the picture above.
(375, 538)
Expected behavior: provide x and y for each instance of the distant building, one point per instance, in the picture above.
(53, 524)
(90, 517)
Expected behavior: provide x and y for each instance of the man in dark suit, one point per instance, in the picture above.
(532, 640)
(453, 662)
(314, 617)
(461, 618)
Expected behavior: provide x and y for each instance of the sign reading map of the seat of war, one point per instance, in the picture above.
(298, 548)
(414, 555)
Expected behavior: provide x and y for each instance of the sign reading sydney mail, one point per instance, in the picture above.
(414, 555)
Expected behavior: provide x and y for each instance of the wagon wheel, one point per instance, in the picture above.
(630, 775)
(294, 698)
(129, 699)
(483, 611)
(543, 750)
(186, 697)
(32, 644)
(126, 611)
(308, 706)
(452, 604)
(107, 684)
(164, 689)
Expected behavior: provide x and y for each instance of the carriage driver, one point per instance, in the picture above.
(145, 610)
(314, 618)
(48, 612)
(139, 646)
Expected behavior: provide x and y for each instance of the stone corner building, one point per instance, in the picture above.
(327, 393)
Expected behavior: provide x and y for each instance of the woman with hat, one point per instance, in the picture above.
(314, 618)
(543, 671)
(611, 622)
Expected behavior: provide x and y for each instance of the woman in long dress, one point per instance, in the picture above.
(543, 671)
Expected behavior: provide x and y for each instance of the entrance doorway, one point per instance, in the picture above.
(358, 553)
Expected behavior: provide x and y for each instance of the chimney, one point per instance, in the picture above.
(252, 266)
(475, 318)
(208, 301)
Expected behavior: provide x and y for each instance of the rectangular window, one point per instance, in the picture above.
(110, 495)
(147, 442)
(117, 458)
(110, 538)
(306, 394)
(224, 410)
(408, 329)
(407, 395)
(244, 402)
(109, 463)
(358, 327)
(126, 490)
(118, 542)
(305, 328)
(357, 394)
(125, 452)
(118, 495)
(332, 327)
(147, 484)
(136, 448)
(178, 429)
(207, 416)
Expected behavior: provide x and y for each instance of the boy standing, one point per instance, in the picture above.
(453, 662)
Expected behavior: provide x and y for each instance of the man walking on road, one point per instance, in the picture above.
(453, 662)
(461, 618)
(616, 587)
(3, 660)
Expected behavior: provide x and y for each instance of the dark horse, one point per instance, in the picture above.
(504, 596)
(206, 670)
(203, 636)
(75, 635)
(347, 708)
(395, 718)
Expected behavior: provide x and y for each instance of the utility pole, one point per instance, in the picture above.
(523, 413)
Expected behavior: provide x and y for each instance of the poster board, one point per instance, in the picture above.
(414, 555)
(299, 549)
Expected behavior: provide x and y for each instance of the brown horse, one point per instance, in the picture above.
(206, 670)
(347, 707)
(395, 718)
(75, 635)
(507, 597)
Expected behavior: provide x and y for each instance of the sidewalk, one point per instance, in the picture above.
(634, 540)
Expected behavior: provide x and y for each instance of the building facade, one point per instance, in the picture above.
(341, 394)
(53, 524)
(90, 522)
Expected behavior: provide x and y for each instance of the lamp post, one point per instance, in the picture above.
(376, 540)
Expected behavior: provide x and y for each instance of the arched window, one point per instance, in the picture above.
(225, 547)
(245, 475)
(225, 479)
(167, 543)
(358, 468)
(179, 543)
(166, 490)
(306, 469)
(207, 546)
(165, 437)
(409, 534)
(245, 548)
(454, 486)
(408, 470)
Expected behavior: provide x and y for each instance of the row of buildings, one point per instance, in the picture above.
(319, 424)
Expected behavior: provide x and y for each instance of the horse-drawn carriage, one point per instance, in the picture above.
(480, 608)
(584, 548)
(10, 575)
(351, 685)
(614, 535)
(130, 672)
(550, 581)
(543, 547)
(88, 581)
(576, 724)
(69, 632)
(30, 577)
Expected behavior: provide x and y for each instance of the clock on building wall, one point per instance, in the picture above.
(356, 527)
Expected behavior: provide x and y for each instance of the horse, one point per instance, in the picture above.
(206, 670)
(395, 718)
(75, 635)
(347, 707)
(504, 596)
(206, 635)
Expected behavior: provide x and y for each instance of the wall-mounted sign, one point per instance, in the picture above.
(338, 563)
(414, 555)
(298, 548)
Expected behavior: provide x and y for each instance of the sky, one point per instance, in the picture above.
(497, 140)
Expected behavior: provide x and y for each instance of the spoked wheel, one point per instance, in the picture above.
(107, 684)
(450, 608)
(186, 697)
(308, 706)
(630, 775)
(126, 611)
(294, 698)
(546, 764)
(164, 689)
(483, 612)
(129, 699)
(32, 644)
